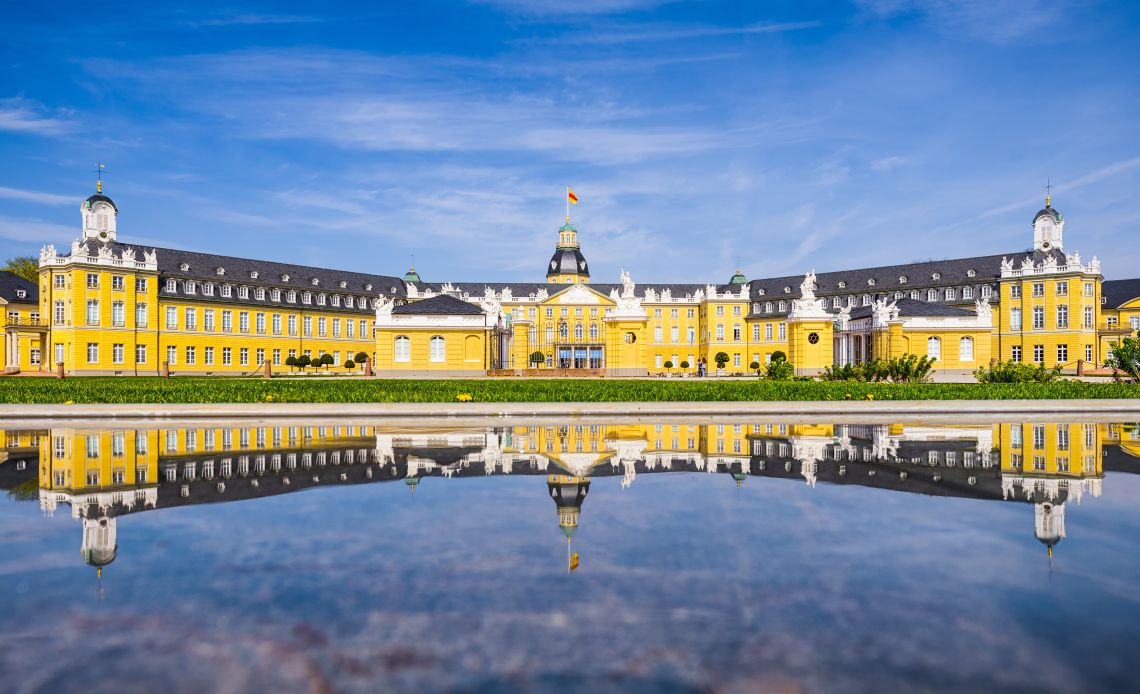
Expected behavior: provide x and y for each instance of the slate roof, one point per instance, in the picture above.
(1117, 292)
(440, 305)
(911, 308)
(10, 283)
(203, 267)
(524, 289)
(567, 261)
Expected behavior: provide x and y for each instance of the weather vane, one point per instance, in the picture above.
(99, 173)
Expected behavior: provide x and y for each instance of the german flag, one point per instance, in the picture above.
(571, 196)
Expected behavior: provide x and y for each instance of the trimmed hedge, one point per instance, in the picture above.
(233, 390)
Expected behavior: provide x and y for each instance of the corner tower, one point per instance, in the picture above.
(99, 213)
(567, 265)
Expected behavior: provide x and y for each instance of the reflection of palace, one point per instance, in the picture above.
(104, 306)
(102, 475)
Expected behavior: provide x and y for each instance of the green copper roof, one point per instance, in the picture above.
(411, 275)
(738, 278)
(568, 227)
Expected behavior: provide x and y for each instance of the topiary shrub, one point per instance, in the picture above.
(349, 364)
(685, 364)
(291, 362)
(360, 358)
(778, 356)
(721, 359)
(326, 359)
(668, 364)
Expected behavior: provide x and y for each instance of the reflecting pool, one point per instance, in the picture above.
(660, 556)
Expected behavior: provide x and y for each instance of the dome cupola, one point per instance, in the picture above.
(1048, 227)
(567, 265)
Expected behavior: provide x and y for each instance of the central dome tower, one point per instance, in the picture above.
(567, 265)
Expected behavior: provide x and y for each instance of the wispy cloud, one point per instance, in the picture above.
(999, 21)
(254, 20)
(543, 8)
(660, 33)
(36, 196)
(20, 115)
(34, 230)
(1091, 177)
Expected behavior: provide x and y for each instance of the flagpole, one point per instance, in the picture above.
(567, 203)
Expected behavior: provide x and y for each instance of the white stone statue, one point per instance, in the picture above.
(151, 257)
(541, 294)
(710, 291)
(488, 294)
(650, 295)
(1027, 264)
(699, 296)
(129, 254)
(883, 312)
(843, 317)
(807, 287)
(447, 288)
(105, 252)
(985, 312)
(1073, 260)
(506, 294)
(627, 284)
(614, 294)
(1006, 266)
(80, 249)
(383, 307)
(1050, 263)
(666, 295)
(1094, 265)
(744, 291)
(47, 252)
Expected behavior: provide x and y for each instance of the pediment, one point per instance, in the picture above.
(579, 294)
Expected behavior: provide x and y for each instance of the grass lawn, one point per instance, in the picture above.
(235, 390)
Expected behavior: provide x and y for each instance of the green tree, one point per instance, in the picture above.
(755, 366)
(685, 364)
(721, 359)
(668, 365)
(778, 356)
(327, 359)
(778, 367)
(1124, 356)
(291, 362)
(350, 364)
(303, 361)
(360, 358)
(24, 266)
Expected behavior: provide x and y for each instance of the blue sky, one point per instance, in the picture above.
(780, 137)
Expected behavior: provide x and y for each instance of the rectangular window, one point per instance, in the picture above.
(1038, 289)
(1038, 437)
(191, 355)
(967, 292)
(307, 326)
(243, 292)
(1088, 289)
(350, 329)
(336, 327)
(1062, 288)
(1062, 437)
(1015, 353)
(117, 283)
(404, 349)
(1039, 354)
(1062, 354)
(1015, 291)
(92, 353)
(190, 287)
(720, 332)
(171, 318)
(60, 281)
(118, 314)
(92, 312)
(60, 313)
(1088, 353)
(140, 354)
(1038, 317)
(208, 355)
(292, 322)
(208, 320)
(92, 280)
(1015, 319)
(1062, 316)
(364, 329)
(171, 355)
(1015, 436)
(140, 285)
(140, 316)
(227, 321)
(322, 326)
(276, 323)
(227, 356)
(768, 332)
(1088, 317)
(260, 355)
(243, 355)
(277, 357)
(191, 319)
(118, 353)
(259, 323)
(243, 321)
(782, 332)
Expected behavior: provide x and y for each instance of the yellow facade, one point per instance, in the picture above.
(108, 311)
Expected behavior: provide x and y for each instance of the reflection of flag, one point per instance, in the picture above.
(573, 198)
(573, 561)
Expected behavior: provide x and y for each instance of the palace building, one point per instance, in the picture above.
(107, 306)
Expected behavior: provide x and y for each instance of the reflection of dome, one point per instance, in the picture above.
(568, 493)
(412, 482)
(99, 541)
(739, 477)
(1049, 524)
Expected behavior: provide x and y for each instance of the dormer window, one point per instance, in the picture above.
(348, 301)
(787, 290)
(208, 289)
(275, 295)
(835, 302)
(191, 287)
(842, 285)
(936, 276)
(767, 307)
(315, 282)
(184, 267)
(320, 300)
(870, 281)
(335, 300)
(220, 271)
(368, 287)
(243, 292)
(306, 298)
(20, 294)
(291, 297)
(227, 291)
(866, 299)
(284, 278)
(759, 292)
(902, 279)
(343, 284)
(253, 274)
(259, 293)
(783, 305)
(171, 285)
(970, 273)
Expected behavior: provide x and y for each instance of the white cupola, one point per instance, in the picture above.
(1048, 226)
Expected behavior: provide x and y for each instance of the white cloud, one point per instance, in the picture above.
(35, 196)
(887, 164)
(35, 231)
(660, 33)
(998, 21)
(19, 115)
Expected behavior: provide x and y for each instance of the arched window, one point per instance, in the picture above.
(436, 351)
(593, 331)
(403, 348)
(966, 349)
(549, 334)
(564, 331)
(578, 333)
(934, 348)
